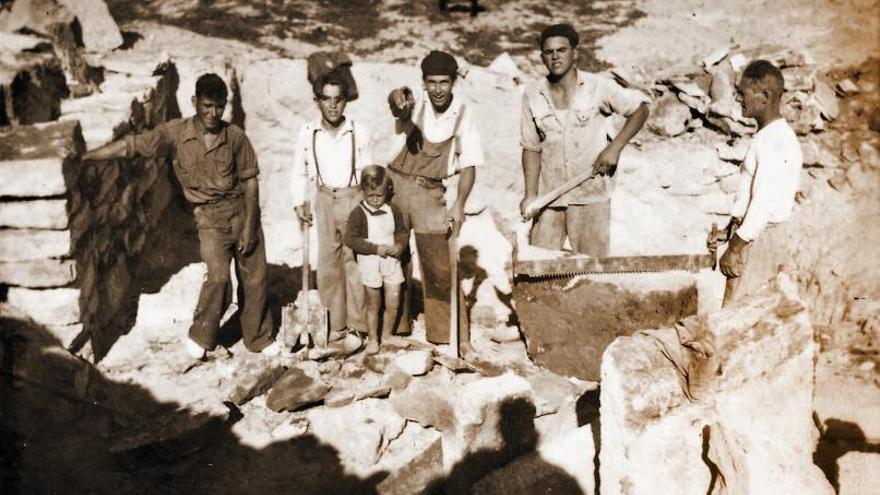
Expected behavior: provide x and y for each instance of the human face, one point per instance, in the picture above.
(209, 111)
(439, 90)
(558, 55)
(374, 197)
(332, 102)
(752, 98)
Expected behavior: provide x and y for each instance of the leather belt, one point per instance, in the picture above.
(426, 182)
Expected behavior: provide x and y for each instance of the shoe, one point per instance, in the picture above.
(194, 349)
(273, 349)
(372, 347)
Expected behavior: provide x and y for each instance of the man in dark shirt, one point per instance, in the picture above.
(217, 168)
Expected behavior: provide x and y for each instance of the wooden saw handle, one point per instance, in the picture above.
(545, 199)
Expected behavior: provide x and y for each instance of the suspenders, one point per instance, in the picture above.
(353, 176)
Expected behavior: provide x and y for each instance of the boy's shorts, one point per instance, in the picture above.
(376, 270)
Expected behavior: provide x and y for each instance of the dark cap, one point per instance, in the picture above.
(563, 30)
(439, 63)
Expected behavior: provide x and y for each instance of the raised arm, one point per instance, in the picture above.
(116, 149)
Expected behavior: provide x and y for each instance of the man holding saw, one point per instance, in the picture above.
(568, 161)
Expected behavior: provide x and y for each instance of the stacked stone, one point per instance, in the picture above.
(77, 228)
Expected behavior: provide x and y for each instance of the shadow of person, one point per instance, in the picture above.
(838, 438)
(65, 428)
(468, 267)
(528, 474)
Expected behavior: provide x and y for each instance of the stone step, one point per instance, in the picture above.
(37, 214)
(32, 178)
(39, 160)
(47, 307)
(38, 273)
(33, 244)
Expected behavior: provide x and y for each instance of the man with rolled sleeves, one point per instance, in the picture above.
(437, 138)
(564, 126)
(217, 168)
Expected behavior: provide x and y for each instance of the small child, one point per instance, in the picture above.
(378, 233)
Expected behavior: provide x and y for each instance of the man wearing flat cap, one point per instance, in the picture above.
(437, 139)
(564, 131)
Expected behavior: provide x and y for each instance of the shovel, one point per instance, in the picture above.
(310, 321)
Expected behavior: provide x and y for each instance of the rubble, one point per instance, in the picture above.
(415, 363)
(669, 117)
(294, 390)
(417, 474)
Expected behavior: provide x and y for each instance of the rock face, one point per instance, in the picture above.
(752, 422)
(32, 82)
(86, 224)
(568, 325)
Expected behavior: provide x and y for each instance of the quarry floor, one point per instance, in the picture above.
(149, 367)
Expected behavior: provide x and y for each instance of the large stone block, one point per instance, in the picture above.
(39, 160)
(30, 244)
(37, 214)
(99, 30)
(32, 85)
(38, 273)
(568, 323)
(48, 307)
(751, 422)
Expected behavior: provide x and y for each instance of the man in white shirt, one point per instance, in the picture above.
(330, 154)
(769, 180)
(437, 138)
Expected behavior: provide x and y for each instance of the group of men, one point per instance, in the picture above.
(564, 131)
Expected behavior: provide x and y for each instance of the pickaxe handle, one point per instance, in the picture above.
(545, 199)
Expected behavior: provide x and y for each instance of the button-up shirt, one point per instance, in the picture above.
(206, 173)
(333, 152)
(570, 140)
(769, 178)
(438, 127)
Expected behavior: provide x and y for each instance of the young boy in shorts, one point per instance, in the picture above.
(378, 233)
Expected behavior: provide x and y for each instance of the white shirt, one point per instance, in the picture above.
(769, 179)
(438, 127)
(334, 157)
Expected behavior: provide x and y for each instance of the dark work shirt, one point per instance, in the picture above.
(207, 174)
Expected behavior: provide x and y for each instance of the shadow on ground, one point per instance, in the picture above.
(62, 425)
(838, 438)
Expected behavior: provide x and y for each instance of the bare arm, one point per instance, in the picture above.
(116, 149)
(606, 162)
(531, 165)
(465, 186)
(248, 238)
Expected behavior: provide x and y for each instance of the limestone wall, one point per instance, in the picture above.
(750, 428)
(72, 233)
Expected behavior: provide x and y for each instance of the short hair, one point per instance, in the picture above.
(766, 75)
(561, 30)
(374, 177)
(332, 78)
(211, 86)
(438, 63)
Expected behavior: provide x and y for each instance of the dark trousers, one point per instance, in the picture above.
(220, 225)
(427, 212)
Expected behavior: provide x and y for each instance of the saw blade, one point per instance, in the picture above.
(562, 268)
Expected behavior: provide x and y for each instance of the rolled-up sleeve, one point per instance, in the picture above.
(299, 174)
(617, 99)
(529, 138)
(149, 144)
(471, 144)
(246, 159)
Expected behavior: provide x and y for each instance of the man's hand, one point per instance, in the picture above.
(606, 162)
(304, 214)
(401, 101)
(247, 241)
(734, 259)
(526, 201)
(383, 250)
(455, 217)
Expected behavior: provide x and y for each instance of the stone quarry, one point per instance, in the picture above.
(570, 389)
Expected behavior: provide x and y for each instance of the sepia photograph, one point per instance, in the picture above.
(488, 247)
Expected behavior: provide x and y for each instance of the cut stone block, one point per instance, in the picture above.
(39, 160)
(48, 307)
(37, 214)
(99, 30)
(752, 422)
(38, 273)
(27, 244)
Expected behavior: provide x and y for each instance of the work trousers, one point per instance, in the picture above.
(427, 212)
(220, 225)
(766, 256)
(339, 281)
(588, 227)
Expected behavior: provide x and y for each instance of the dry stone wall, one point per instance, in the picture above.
(71, 232)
